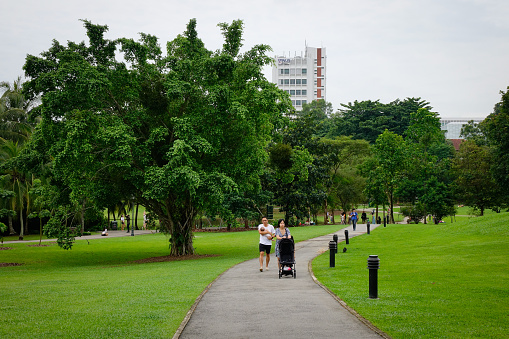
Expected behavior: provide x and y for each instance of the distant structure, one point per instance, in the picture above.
(303, 77)
(452, 127)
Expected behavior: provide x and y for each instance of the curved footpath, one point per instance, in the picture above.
(246, 303)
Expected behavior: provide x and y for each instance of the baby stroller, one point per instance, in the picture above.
(287, 258)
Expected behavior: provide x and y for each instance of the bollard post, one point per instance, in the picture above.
(385, 220)
(368, 226)
(335, 239)
(332, 253)
(346, 237)
(373, 267)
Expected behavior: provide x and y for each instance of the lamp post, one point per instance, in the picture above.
(373, 267)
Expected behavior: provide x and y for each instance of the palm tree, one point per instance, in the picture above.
(14, 180)
(15, 121)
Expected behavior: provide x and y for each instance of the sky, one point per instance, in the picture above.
(451, 53)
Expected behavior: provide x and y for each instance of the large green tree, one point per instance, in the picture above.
(475, 185)
(496, 127)
(427, 183)
(175, 133)
(343, 156)
(389, 166)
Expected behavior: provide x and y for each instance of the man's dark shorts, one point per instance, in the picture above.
(265, 248)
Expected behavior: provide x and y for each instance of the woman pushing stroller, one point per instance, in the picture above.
(281, 233)
(285, 250)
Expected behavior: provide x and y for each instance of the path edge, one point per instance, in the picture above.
(189, 314)
(344, 304)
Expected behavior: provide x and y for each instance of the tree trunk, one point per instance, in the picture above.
(176, 219)
(40, 229)
(325, 218)
(246, 223)
(22, 228)
(11, 229)
(83, 217)
(25, 222)
(181, 237)
(136, 218)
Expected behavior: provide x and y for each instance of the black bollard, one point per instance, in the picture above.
(332, 253)
(346, 237)
(335, 239)
(385, 225)
(373, 267)
(368, 226)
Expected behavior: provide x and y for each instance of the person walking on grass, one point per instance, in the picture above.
(267, 234)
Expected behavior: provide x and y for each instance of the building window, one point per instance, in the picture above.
(304, 81)
(280, 81)
(293, 102)
(287, 71)
(292, 71)
(287, 81)
(304, 102)
(304, 71)
(297, 81)
(292, 81)
(304, 92)
(297, 92)
(281, 71)
(297, 102)
(298, 71)
(292, 92)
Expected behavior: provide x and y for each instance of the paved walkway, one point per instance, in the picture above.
(111, 234)
(246, 303)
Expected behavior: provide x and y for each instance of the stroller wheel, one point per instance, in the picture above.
(294, 274)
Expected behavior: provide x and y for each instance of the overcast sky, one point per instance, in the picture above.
(452, 53)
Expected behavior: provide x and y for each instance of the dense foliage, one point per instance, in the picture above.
(175, 133)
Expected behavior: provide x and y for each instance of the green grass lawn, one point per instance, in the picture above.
(95, 291)
(435, 281)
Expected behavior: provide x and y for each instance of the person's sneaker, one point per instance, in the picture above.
(266, 268)
(261, 269)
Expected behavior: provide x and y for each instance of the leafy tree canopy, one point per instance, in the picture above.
(368, 119)
(176, 133)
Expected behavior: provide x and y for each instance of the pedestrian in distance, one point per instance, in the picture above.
(353, 218)
(267, 234)
(122, 222)
(363, 217)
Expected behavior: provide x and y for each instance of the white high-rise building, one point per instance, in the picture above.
(303, 77)
(452, 127)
